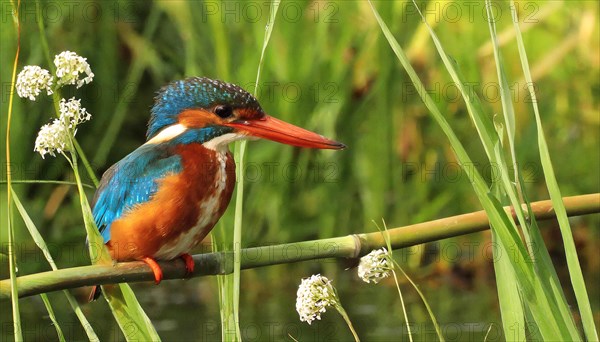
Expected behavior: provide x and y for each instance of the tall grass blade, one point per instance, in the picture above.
(133, 321)
(479, 185)
(228, 322)
(543, 263)
(12, 261)
(33, 231)
(545, 269)
(509, 298)
(515, 192)
(505, 95)
(511, 307)
(268, 30)
(538, 297)
(61, 336)
(240, 148)
(508, 293)
(575, 273)
(39, 241)
(499, 220)
(230, 330)
(485, 127)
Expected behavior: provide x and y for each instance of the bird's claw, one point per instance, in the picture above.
(158, 275)
(189, 264)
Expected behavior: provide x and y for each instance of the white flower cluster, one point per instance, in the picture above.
(52, 138)
(314, 295)
(55, 137)
(375, 266)
(32, 80)
(72, 114)
(69, 66)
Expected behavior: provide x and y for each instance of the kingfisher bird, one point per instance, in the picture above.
(161, 200)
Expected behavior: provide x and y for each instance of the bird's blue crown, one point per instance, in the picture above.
(195, 93)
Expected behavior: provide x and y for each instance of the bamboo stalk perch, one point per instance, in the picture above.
(351, 246)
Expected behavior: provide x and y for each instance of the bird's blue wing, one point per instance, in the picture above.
(131, 181)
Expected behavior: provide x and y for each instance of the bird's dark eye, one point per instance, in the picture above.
(223, 111)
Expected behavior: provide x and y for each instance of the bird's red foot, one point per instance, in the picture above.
(158, 275)
(189, 263)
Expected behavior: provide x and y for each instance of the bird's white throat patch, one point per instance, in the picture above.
(221, 142)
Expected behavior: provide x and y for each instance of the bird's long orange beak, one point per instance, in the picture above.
(274, 129)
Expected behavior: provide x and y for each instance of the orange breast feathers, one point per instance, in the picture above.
(181, 213)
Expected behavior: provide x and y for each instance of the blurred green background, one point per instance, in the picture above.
(327, 68)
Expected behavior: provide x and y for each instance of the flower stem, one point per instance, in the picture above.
(342, 311)
(433, 319)
(403, 306)
(96, 247)
(12, 260)
(75, 144)
(86, 163)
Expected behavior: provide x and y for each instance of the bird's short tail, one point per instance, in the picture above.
(95, 294)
